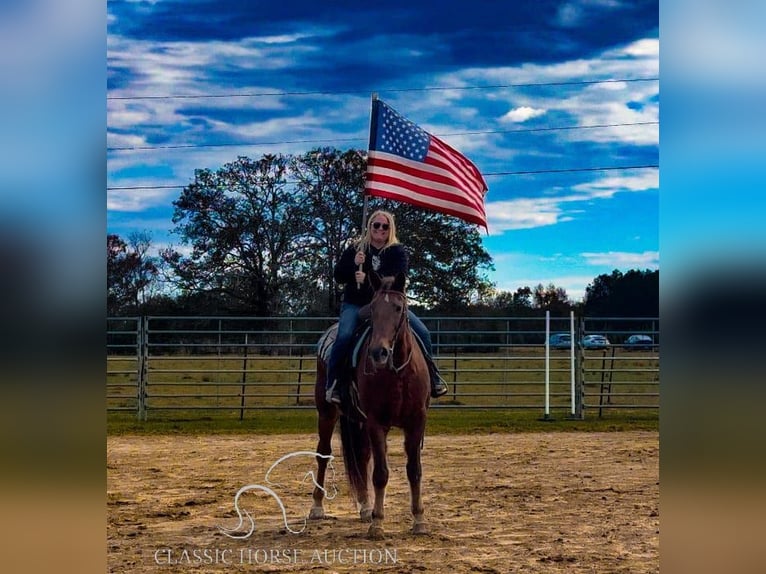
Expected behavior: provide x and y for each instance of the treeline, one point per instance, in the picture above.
(261, 237)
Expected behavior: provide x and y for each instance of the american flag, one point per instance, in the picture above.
(406, 163)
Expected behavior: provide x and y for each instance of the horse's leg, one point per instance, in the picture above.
(328, 415)
(413, 440)
(363, 496)
(378, 440)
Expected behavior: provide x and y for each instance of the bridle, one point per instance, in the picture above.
(404, 323)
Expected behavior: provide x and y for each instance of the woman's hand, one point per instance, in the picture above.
(359, 258)
(360, 275)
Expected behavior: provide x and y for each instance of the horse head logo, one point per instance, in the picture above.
(238, 532)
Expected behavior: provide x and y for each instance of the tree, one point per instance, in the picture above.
(332, 182)
(264, 245)
(522, 298)
(245, 225)
(130, 272)
(633, 294)
(552, 298)
(448, 263)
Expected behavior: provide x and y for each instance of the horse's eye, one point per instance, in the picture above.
(398, 308)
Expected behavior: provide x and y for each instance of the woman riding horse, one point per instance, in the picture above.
(378, 251)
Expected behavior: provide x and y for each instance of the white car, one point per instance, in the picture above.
(595, 342)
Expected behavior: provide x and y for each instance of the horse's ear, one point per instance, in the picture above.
(386, 282)
(399, 281)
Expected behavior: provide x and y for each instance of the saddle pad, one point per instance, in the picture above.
(324, 346)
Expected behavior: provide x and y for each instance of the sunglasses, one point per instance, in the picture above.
(378, 225)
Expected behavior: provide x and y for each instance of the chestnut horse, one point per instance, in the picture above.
(394, 391)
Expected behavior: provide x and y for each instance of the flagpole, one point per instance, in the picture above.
(373, 98)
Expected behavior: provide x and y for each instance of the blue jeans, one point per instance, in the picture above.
(347, 323)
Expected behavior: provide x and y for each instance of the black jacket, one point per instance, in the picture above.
(388, 261)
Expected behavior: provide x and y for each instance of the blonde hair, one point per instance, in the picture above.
(364, 242)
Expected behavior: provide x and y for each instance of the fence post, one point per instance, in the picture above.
(244, 382)
(290, 343)
(143, 357)
(572, 366)
(300, 379)
(580, 375)
(547, 386)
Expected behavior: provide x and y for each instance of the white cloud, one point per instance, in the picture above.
(137, 200)
(124, 140)
(607, 186)
(611, 102)
(521, 114)
(645, 48)
(624, 260)
(527, 213)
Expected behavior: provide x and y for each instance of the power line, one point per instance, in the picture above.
(479, 132)
(528, 172)
(645, 166)
(381, 91)
(230, 144)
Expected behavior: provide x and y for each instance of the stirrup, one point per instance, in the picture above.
(439, 388)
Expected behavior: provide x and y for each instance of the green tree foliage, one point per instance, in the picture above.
(331, 182)
(524, 302)
(265, 236)
(551, 298)
(244, 223)
(632, 294)
(448, 263)
(130, 273)
(504, 303)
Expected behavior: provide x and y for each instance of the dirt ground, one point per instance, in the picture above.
(538, 502)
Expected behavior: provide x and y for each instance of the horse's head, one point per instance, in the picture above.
(388, 314)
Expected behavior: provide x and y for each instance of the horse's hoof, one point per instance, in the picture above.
(366, 515)
(317, 513)
(376, 533)
(420, 528)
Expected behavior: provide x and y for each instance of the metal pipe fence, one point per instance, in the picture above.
(242, 364)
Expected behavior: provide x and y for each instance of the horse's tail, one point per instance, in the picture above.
(356, 453)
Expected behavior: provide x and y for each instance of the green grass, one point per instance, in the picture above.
(440, 421)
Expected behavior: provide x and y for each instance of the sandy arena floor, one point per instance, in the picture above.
(542, 502)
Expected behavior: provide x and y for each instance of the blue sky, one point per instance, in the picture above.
(515, 86)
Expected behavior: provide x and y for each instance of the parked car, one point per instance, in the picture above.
(560, 341)
(638, 343)
(595, 342)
